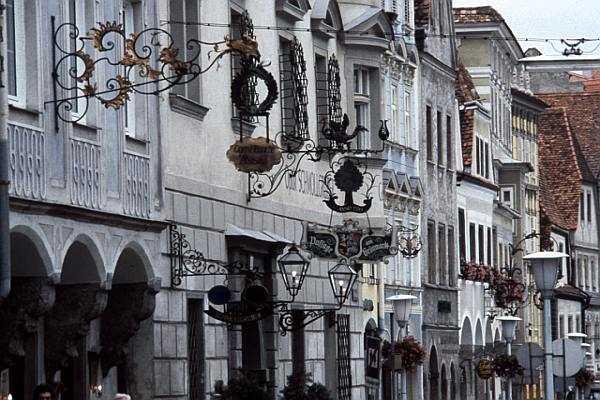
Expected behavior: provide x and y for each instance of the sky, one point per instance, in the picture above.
(552, 19)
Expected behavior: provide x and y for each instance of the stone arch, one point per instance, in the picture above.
(434, 386)
(444, 384)
(83, 262)
(453, 382)
(478, 334)
(133, 265)
(489, 339)
(131, 300)
(30, 252)
(327, 12)
(466, 332)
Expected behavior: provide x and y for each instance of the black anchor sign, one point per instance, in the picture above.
(348, 179)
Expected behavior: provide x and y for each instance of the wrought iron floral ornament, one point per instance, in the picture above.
(345, 176)
(409, 242)
(146, 62)
(187, 261)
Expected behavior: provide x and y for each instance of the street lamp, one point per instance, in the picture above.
(342, 278)
(545, 266)
(508, 323)
(402, 307)
(293, 267)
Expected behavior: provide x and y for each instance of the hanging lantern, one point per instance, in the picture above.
(293, 267)
(342, 279)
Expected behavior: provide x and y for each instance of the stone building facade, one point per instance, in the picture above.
(86, 215)
(438, 122)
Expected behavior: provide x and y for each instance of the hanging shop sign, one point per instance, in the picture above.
(254, 154)
(348, 176)
(350, 242)
(484, 369)
(373, 355)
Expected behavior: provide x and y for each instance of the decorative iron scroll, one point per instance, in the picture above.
(294, 92)
(187, 261)
(149, 62)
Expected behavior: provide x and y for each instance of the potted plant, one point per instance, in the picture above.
(584, 378)
(301, 387)
(240, 387)
(506, 366)
(409, 354)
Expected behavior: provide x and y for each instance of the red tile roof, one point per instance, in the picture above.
(583, 114)
(476, 15)
(465, 93)
(422, 12)
(560, 176)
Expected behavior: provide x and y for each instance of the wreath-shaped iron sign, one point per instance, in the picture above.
(245, 102)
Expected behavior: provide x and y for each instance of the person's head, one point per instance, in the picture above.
(121, 396)
(43, 392)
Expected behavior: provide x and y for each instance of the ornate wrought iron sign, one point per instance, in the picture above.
(346, 177)
(350, 242)
(484, 369)
(148, 62)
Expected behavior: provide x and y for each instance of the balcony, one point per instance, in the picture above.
(27, 164)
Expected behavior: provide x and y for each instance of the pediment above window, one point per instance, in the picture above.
(326, 18)
(294, 10)
(372, 28)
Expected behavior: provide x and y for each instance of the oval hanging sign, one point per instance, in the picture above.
(254, 154)
(484, 369)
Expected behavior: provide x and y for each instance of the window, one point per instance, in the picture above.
(585, 281)
(407, 120)
(506, 196)
(570, 324)
(489, 247)
(462, 244)
(577, 323)
(589, 206)
(321, 93)
(429, 133)
(579, 280)
(362, 105)
(77, 17)
(130, 17)
(394, 114)
(581, 207)
(449, 142)
(451, 256)
(12, 13)
(440, 139)
(293, 96)
(239, 28)
(594, 275)
(431, 248)
(187, 10)
(442, 253)
(472, 243)
(561, 326)
(481, 246)
(486, 160)
(195, 341)
(495, 246)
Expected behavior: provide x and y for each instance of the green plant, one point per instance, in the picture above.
(241, 387)
(301, 387)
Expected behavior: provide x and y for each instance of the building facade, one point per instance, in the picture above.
(86, 217)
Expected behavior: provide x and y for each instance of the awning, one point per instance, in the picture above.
(263, 236)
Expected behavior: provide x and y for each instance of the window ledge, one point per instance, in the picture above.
(247, 127)
(20, 107)
(86, 126)
(136, 140)
(289, 11)
(187, 107)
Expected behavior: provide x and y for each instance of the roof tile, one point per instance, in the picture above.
(476, 15)
(465, 93)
